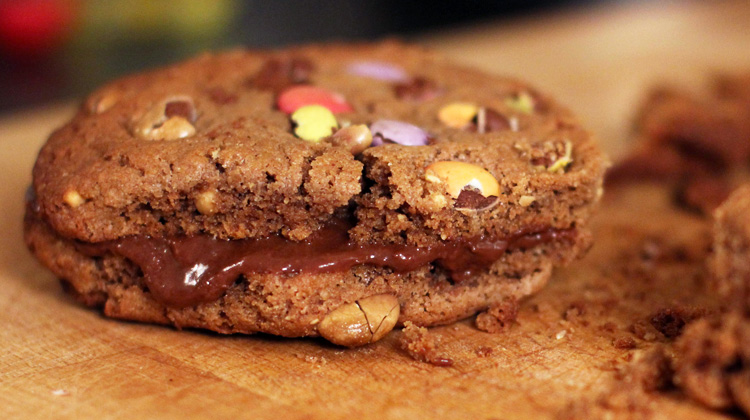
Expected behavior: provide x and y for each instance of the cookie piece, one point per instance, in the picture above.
(712, 353)
(713, 360)
(258, 191)
(730, 263)
(696, 142)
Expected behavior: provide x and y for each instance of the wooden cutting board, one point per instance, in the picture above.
(59, 360)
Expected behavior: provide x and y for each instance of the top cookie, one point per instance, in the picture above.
(214, 145)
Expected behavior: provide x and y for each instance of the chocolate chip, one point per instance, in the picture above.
(470, 198)
(417, 89)
(220, 96)
(277, 74)
(490, 121)
(182, 109)
(496, 121)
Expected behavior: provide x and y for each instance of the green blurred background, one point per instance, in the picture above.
(61, 49)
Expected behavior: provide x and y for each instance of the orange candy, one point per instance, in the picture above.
(296, 97)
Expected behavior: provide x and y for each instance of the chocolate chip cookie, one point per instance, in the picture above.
(334, 190)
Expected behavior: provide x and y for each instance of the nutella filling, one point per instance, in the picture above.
(189, 270)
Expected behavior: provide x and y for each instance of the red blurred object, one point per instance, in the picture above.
(34, 28)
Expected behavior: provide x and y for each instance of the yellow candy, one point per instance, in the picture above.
(458, 114)
(523, 102)
(459, 175)
(314, 122)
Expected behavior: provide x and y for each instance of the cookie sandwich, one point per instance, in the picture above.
(332, 190)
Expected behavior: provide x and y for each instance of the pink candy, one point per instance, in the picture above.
(391, 131)
(378, 70)
(298, 96)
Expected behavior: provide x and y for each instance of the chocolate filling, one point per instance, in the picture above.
(189, 270)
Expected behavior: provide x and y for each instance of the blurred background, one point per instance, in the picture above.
(61, 49)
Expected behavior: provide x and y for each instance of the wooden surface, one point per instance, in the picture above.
(59, 360)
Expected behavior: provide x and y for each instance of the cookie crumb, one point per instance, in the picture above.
(483, 351)
(651, 371)
(671, 321)
(643, 330)
(575, 310)
(422, 346)
(498, 317)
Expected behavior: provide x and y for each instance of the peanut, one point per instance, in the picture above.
(362, 322)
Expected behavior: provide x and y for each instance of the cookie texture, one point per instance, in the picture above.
(412, 150)
(730, 263)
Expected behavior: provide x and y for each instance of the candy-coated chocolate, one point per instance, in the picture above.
(313, 122)
(379, 70)
(392, 131)
(295, 97)
(459, 175)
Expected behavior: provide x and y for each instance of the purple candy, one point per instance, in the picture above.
(385, 131)
(378, 70)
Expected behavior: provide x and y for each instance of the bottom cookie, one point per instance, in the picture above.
(302, 304)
